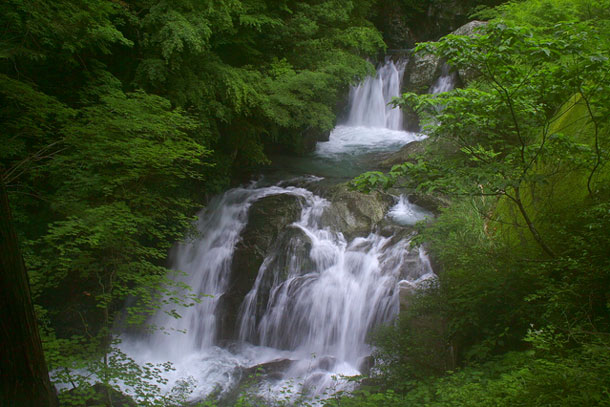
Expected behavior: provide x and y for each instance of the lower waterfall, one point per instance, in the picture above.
(317, 294)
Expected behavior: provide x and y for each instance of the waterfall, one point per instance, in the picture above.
(206, 262)
(445, 82)
(372, 123)
(310, 305)
(316, 316)
(329, 310)
(369, 101)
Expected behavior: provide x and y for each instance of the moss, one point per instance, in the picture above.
(563, 192)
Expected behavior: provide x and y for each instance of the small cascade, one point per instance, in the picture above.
(407, 214)
(445, 82)
(369, 102)
(206, 264)
(372, 124)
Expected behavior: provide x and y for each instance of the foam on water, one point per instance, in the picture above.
(317, 318)
(405, 213)
(358, 139)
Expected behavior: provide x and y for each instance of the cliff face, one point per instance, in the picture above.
(405, 23)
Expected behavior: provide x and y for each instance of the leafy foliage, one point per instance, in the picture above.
(119, 117)
(522, 151)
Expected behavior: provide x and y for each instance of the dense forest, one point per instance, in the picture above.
(120, 119)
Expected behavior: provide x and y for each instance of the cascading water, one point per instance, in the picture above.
(316, 294)
(369, 101)
(445, 82)
(372, 124)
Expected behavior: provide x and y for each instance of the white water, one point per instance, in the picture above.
(405, 213)
(372, 123)
(319, 319)
(369, 101)
(445, 82)
(312, 307)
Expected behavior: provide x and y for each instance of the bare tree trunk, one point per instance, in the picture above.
(24, 378)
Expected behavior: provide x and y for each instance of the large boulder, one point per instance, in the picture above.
(251, 379)
(288, 257)
(407, 153)
(354, 213)
(267, 219)
(308, 140)
(422, 70)
(471, 29)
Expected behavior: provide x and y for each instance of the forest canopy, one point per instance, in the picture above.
(119, 118)
(520, 312)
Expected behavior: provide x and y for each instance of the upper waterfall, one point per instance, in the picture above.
(369, 101)
(372, 123)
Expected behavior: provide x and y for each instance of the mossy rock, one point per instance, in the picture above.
(407, 153)
(354, 213)
(267, 218)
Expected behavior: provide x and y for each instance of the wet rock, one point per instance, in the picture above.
(309, 139)
(267, 219)
(366, 364)
(421, 72)
(407, 153)
(432, 202)
(326, 363)
(273, 370)
(354, 213)
(424, 69)
(411, 120)
(406, 293)
(251, 378)
(290, 257)
(470, 30)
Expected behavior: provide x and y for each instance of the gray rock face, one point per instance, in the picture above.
(470, 30)
(268, 218)
(289, 254)
(406, 292)
(422, 71)
(355, 213)
(250, 379)
(406, 153)
(309, 139)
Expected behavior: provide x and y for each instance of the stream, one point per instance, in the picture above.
(294, 270)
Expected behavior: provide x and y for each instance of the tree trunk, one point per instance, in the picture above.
(24, 378)
(530, 225)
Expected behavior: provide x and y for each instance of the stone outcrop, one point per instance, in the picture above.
(421, 72)
(470, 30)
(355, 213)
(406, 154)
(424, 69)
(249, 379)
(268, 218)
